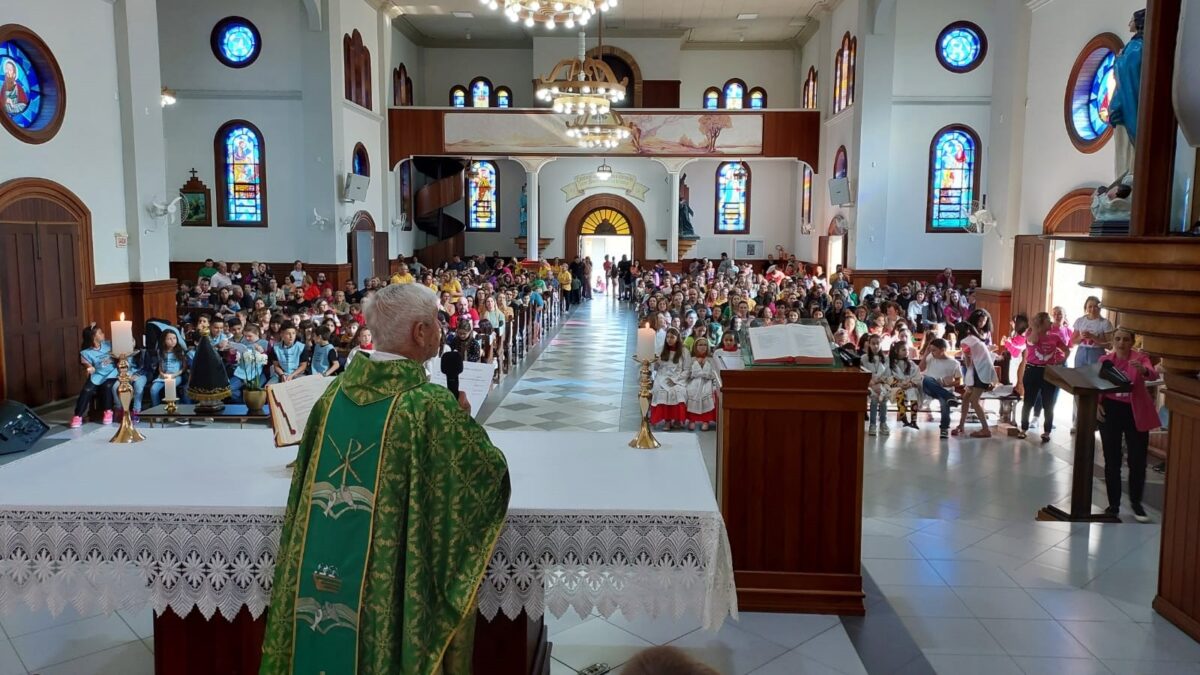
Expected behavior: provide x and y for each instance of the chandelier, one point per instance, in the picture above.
(599, 130)
(581, 85)
(551, 12)
(604, 171)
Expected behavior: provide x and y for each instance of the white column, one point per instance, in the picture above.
(673, 236)
(531, 212)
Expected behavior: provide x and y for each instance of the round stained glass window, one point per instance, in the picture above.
(32, 96)
(961, 47)
(236, 42)
(1090, 93)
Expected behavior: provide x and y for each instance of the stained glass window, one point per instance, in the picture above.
(243, 186)
(758, 98)
(712, 98)
(961, 47)
(458, 97)
(503, 97)
(810, 89)
(954, 180)
(22, 90)
(806, 195)
(843, 83)
(360, 161)
(481, 196)
(734, 91)
(1104, 84)
(236, 42)
(481, 93)
(733, 198)
(841, 166)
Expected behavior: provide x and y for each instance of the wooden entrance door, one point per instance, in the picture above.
(41, 303)
(1031, 275)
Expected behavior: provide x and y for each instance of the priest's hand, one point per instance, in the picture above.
(464, 403)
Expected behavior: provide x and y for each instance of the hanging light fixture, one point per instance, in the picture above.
(168, 97)
(604, 171)
(599, 131)
(550, 13)
(581, 85)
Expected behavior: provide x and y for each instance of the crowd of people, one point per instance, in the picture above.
(293, 323)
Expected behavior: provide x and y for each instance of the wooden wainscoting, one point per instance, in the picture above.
(660, 93)
(139, 300)
(997, 303)
(862, 277)
(338, 273)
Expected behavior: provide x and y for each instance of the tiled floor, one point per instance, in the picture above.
(960, 578)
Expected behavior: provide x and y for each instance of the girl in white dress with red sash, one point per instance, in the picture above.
(668, 397)
(704, 380)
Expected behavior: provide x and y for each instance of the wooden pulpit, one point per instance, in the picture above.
(790, 483)
(1086, 385)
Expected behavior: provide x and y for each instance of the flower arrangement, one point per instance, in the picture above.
(252, 360)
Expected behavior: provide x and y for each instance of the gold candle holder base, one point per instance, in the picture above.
(125, 433)
(171, 405)
(644, 440)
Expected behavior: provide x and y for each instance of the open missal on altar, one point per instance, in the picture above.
(793, 343)
(292, 402)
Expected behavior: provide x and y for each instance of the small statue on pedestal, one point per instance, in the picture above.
(686, 231)
(1111, 207)
(1123, 110)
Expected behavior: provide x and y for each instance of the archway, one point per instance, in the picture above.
(46, 276)
(368, 249)
(623, 65)
(573, 228)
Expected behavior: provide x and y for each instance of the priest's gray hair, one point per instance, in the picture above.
(393, 311)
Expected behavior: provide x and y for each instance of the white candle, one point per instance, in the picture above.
(170, 387)
(122, 336)
(645, 344)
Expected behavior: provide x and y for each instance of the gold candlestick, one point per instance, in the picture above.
(171, 405)
(645, 439)
(126, 433)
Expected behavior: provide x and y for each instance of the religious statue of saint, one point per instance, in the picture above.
(396, 502)
(12, 91)
(1123, 111)
(686, 231)
(524, 211)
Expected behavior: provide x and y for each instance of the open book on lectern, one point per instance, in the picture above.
(793, 343)
(292, 402)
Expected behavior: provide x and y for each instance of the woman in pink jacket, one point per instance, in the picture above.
(1130, 415)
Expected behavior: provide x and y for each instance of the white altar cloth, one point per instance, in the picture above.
(191, 518)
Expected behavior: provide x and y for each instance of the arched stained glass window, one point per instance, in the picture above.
(735, 90)
(236, 42)
(810, 89)
(503, 97)
(481, 196)
(843, 83)
(961, 47)
(22, 90)
(242, 188)
(733, 198)
(712, 98)
(806, 194)
(360, 161)
(458, 97)
(953, 178)
(758, 98)
(841, 166)
(481, 93)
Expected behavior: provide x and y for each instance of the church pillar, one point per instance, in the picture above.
(532, 233)
(139, 81)
(673, 239)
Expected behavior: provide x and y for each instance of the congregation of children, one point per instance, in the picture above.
(300, 324)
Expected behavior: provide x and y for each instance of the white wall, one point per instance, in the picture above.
(404, 51)
(444, 68)
(659, 58)
(86, 155)
(773, 70)
(1052, 165)
(773, 216)
(918, 72)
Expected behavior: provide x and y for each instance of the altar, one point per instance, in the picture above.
(189, 521)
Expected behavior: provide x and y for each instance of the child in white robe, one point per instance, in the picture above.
(668, 396)
(704, 380)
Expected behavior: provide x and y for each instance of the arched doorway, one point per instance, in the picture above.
(367, 248)
(45, 275)
(605, 215)
(623, 66)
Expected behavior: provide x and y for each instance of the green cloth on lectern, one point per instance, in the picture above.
(396, 503)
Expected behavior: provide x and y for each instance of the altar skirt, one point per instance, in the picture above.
(668, 413)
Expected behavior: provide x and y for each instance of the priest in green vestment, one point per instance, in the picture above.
(397, 501)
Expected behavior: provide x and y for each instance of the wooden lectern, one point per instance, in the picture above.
(791, 476)
(1086, 385)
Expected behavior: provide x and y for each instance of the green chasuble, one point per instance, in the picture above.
(396, 503)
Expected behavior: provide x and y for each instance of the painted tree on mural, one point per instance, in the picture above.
(712, 126)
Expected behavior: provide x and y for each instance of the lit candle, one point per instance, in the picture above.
(170, 388)
(122, 336)
(645, 344)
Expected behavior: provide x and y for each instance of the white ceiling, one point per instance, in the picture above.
(696, 21)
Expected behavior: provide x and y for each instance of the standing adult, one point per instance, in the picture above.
(1130, 416)
(1091, 334)
(626, 279)
(396, 502)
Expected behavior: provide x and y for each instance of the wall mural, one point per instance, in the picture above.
(696, 134)
(618, 181)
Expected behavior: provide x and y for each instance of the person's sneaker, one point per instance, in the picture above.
(1112, 510)
(76, 422)
(108, 417)
(884, 430)
(871, 430)
(183, 422)
(944, 433)
(953, 402)
(136, 417)
(1139, 514)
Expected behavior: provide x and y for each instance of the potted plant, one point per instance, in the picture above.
(251, 362)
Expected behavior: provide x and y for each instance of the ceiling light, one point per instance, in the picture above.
(581, 85)
(551, 12)
(744, 16)
(168, 97)
(466, 15)
(604, 171)
(599, 131)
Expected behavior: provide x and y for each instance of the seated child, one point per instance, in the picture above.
(940, 375)
(289, 356)
(96, 355)
(172, 364)
(324, 357)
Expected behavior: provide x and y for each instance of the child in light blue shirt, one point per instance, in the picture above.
(96, 355)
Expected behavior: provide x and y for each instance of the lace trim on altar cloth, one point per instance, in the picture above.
(643, 565)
